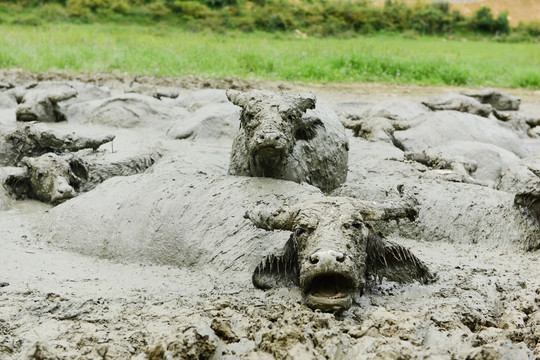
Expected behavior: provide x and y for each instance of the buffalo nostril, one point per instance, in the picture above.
(314, 259)
(277, 137)
(340, 257)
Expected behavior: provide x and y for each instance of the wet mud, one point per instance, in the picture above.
(158, 265)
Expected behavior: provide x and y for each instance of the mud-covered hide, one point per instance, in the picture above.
(496, 98)
(6, 201)
(209, 122)
(159, 93)
(7, 97)
(521, 176)
(284, 136)
(126, 111)
(445, 127)
(376, 128)
(533, 123)
(332, 250)
(453, 212)
(523, 180)
(34, 139)
(94, 169)
(53, 178)
(85, 91)
(397, 109)
(448, 211)
(45, 101)
(458, 102)
(182, 220)
(382, 119)
(42, 104)
(6, 86)
(201, 98)
(452, 168)
(469, 161)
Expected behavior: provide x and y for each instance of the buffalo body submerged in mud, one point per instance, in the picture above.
(333, 252)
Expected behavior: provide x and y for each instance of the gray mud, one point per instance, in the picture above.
(71, 287)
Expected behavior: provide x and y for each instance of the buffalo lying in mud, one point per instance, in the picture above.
(55, 166)
(200, 222)
(495, 98)
(279, 139)
(41, 101)
(33, 139)
(462, 103)
(42, 105)
(332, 251)
(53, 178)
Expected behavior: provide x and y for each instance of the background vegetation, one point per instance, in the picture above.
(305, 40)
(343, 18)
(164, 51)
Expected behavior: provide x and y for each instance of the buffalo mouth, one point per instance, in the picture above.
(26, 117)
(268, 162)
(330, 292)
(269, 153)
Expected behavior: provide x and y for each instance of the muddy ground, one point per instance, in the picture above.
(56, 304)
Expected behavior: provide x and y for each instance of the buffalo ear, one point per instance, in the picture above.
(395, 262)
(57, 96)
(307, 128)
(278, 270)
(19, 186)
(530, 202)
(79, 172)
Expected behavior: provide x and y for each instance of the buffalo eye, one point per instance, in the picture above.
(299, 231)
(356, 225)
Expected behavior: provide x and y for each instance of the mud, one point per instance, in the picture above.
(72, 288)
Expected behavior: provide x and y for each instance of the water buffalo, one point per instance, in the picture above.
(462, 103)
(33, 139)
(53, 178)
(459, 102)
(278, 138)
(39, 101)
(495, 98)
(42, 104)
(332, 251)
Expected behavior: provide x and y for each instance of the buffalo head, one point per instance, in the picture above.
(49, 178)
(272, 122)
(42, 105)
(333, 251)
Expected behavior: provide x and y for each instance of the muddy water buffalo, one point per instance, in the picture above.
(39, 101)
(206, 223)
(495, 98)
(34, 139)
(458, 102)
(42, 105)
(280, 138)
(53, 178)
(332, 251)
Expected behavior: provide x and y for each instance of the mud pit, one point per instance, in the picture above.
(67, 291)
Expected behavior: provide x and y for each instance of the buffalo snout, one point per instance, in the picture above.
(326, 257)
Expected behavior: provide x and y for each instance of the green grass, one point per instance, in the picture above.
(166, 51)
